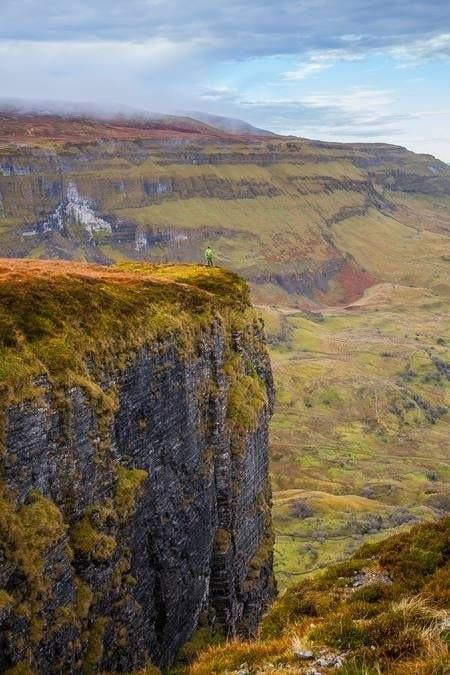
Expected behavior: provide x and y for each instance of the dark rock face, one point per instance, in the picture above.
(164, 513)
(303, 282)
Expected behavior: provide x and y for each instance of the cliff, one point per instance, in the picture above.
(135, 499)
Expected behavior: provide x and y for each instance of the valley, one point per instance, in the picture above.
(360, 435)
(347, 251)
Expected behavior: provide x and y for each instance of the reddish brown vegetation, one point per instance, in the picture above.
(353, 281)
(42, 129)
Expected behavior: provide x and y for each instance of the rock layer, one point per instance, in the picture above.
(124, 529)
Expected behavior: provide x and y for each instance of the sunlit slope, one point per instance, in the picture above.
(383, 611)
(394, 249)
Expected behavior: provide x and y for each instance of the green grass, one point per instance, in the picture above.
(347, 427)
(56, 317)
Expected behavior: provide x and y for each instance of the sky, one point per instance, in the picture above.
(339, 70)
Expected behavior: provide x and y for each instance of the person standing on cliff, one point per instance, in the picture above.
(209, 256)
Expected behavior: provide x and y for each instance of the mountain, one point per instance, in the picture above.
(346, 248)
(86, 110)
(305, 222)
(229, 124)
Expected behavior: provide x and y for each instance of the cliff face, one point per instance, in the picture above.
(135, 490)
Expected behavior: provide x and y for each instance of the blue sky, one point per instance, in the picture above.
(348, 70)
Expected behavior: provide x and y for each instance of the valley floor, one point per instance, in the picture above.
(360, 433)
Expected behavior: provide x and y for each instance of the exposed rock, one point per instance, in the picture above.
(127, 525)
(73, 211)
(367, 577)
(305, 655)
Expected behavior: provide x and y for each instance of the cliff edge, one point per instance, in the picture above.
(134, 493)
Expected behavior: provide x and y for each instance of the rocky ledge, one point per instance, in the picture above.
(134, 493)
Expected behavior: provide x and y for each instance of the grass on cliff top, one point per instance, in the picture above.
(62, 320)
(383, 611)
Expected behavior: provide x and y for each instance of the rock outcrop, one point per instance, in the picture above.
(135, 498)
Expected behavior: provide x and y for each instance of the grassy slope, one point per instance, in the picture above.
(384, 611)
(58, 317)
(356, 447)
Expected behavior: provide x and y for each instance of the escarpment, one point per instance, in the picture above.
(135, 498)
(285, 213)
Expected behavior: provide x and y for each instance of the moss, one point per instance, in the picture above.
(83, 598)
(260, 560)
(5, 599)
(94, 651)
(247, 395)
(20, 668)
(222, 540)
(56, 318)
(87, 540)
(28, 532)
(128, 485)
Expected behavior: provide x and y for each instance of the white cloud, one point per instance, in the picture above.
(219, 93)
(307, 69)
(413, 53)
(318, 61)
(356, 100)
(154, 74)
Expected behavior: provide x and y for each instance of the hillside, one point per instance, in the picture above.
(386, 610)
(230, 124)
(364, 449)
(347, 250)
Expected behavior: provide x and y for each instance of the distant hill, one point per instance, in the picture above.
(229, 124)
(128, 116)
(305, 222)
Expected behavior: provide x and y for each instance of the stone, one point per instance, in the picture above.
(306, 654)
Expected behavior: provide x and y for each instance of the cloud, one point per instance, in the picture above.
(356, 100)
(221, 93)
(230, 57)
(316, 62)
(139, 74)
(419, 51)
(235, 28)
(358, 113)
